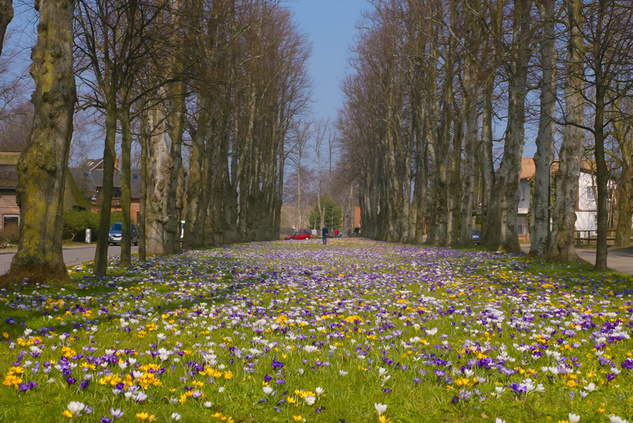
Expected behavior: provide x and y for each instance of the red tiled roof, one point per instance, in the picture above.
(528, 168)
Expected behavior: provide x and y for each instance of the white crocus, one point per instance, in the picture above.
(380, 408)
(76, 407)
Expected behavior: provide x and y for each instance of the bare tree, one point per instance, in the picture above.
(501, 225)
(544, 155)
(609, 59)
(562, 237)
(320, 133)
(622, 132)
(112, 42)
(303, 132)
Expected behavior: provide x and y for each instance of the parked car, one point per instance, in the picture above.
(301, 234)
(116, 232)
(476, 236)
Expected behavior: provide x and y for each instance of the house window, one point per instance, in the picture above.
(590, 195)
(522, 224)
(10, 222)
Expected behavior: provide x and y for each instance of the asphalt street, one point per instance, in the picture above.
(620, 259)
(72, 255)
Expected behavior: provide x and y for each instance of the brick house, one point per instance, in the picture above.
(9, 210)
(89, 178)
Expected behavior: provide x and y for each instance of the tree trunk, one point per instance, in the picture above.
(602, 173)
(468, 187)
(506, 194)
(6, 16)
(142, 228)
(602, 176)
(174, 199)
(488, 172)
(109, 156)
(43, 164)
(625, 209)
(192, 236)
(624, 187)
(126, 193)
(572, 147)
(160, 168)
(545, 138)
(456, 182)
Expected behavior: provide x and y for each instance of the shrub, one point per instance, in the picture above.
(10, 235)
(75, 222)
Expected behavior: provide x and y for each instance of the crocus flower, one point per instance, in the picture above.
(75, 408)
(116, 413)
(380, 408)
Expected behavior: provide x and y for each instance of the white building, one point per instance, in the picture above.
(586, 207)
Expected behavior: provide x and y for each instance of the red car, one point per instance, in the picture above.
(302, 234)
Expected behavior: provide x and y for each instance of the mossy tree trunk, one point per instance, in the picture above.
(42, 165)
(6, 16)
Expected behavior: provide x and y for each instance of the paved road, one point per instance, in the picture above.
(72, 255)
(620, 259)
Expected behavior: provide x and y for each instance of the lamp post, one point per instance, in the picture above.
(88, 203)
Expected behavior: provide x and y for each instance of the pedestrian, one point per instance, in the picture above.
(324, 232)
(335, 233)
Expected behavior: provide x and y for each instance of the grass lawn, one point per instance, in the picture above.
(355, 331)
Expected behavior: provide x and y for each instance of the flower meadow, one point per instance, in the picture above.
(355, 331)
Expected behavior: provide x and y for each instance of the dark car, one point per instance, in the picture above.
(115, 234)
(302, 234)
(476, 236)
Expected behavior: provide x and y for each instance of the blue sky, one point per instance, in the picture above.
(331, 28)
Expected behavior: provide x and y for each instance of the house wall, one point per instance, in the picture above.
(8, 206)
(586, 193)
(586, 221)
(524, 195)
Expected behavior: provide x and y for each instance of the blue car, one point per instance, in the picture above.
(116, 233)
(476, 236)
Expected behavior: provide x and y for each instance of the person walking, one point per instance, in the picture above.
(324, 233)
